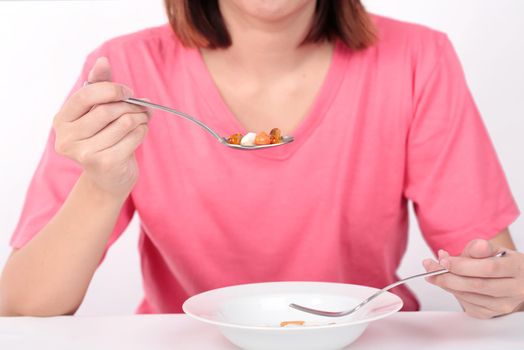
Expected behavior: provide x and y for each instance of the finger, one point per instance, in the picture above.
(477, 311)
(500, 306)
(431, 265)
(84, 99)
(488, 267)
(101, 116)
(496, 287)
(442, 254)
(114, 132)
(478, 249)
(126, 146)
(101, 71)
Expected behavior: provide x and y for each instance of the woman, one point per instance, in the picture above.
(381, 115)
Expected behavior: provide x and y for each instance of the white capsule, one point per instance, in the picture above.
(248, 139)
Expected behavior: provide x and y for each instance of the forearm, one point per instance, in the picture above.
(50, 275)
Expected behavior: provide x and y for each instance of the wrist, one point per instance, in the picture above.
(89, 189)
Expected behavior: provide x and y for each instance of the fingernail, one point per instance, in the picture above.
(444, 263)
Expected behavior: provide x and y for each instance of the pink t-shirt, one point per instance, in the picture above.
(391, 124)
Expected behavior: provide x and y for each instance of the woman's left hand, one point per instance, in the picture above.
(486, 286)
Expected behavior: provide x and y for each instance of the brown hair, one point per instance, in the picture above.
(199, 23)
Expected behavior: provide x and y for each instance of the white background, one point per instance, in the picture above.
(43, 45)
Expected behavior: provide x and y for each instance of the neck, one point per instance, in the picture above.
(266, 47)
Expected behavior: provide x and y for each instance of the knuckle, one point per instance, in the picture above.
(115, 92)
(63, 143)
(84, 157)
(127, 121)
(60, 146)
(106, 112)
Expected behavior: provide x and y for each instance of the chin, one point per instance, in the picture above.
(270, 10)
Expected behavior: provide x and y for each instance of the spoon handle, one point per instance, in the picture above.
(425, 274)
(396, 284)
(140, 102)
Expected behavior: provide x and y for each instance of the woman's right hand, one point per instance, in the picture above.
(101, 133)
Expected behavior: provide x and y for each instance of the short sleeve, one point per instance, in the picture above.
(52, 182)
(453, 175)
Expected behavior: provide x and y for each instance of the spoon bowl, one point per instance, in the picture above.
(285, 140)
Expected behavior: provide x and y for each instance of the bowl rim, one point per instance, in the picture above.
(290, 329)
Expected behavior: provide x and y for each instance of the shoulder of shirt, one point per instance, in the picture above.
(159, 37)
(404, 35)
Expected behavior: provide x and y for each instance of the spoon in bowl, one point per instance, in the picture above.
(222, 140)
(372, 297)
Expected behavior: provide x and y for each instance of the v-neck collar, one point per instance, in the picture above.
(226, 121)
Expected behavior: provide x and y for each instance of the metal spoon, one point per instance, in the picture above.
(374, 296)
(222, 140)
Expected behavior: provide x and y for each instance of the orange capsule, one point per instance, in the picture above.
(262, 139)
(234, 139)
(275, 136)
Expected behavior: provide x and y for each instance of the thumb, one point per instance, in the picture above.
(101, 71)
(478, 249)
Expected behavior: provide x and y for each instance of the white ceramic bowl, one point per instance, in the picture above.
(249, 315)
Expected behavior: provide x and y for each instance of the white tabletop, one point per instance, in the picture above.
(406, 330)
